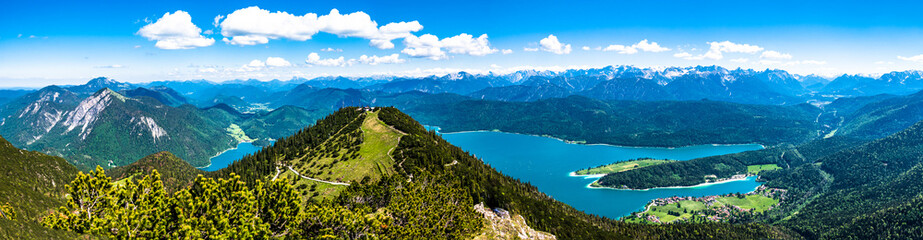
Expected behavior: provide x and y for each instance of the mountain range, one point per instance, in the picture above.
(80, 122)
(838, 151)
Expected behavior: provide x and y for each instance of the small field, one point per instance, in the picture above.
(684, 209)
(755, 203)
(621, 166)
(756, 169)
(238, 134)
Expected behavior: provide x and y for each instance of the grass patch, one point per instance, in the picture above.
(683, 208)
(676, 211)
(339, 159)
(311, 190)
(756, 169)
(238, 134)
(621, 166)
(756, 203)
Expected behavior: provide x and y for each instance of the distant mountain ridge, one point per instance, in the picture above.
(775, 87)
(110, 129)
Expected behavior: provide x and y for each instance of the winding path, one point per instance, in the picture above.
(316, 180)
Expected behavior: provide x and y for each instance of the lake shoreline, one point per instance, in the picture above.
(586, 176)
(726, 180)
(236, 146)
(547, 163)
(600, 144)
(222, 152)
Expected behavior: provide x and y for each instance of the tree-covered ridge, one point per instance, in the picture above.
(878, 175)
(175, 172)
(31, 183)
(881, 118)
(835, 185)
(281, 122)
(904, 221)
(629, 123)
(424, 162)
(692, 172)
(688, 173)
(264, 162)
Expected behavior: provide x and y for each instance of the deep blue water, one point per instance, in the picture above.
(226, 158)
(547, 162)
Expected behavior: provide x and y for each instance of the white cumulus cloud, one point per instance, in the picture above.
(175, 31)
(253, 25)
(917, 58)
(467, 44)
(716, 49)
(621, 49)
(256, 64)
(375, 60)
(552, 45)
(506, 51)
(769, 54)
(315, 59)
(646, 46)
(277, 62)
(643, 45)
(427, 46)
(430, 46)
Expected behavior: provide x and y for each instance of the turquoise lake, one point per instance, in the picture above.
(547, 162)
(227, 157)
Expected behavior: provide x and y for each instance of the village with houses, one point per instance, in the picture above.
(723, 208)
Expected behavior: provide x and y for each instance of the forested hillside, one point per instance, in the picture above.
(31, 184)
(630, 123)
(866, 180)
(422, 157)
(835, 185)
(428, 191)
(176, 173)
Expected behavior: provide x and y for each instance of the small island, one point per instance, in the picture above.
(620, 166)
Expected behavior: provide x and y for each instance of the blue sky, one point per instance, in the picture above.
(68, 42)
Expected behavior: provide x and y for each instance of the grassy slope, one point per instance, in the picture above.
(757, 203)
(683, 207)
(755, 169)
(372, 160)
(621, 166)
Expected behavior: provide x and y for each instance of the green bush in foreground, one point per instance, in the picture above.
(222, 208)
